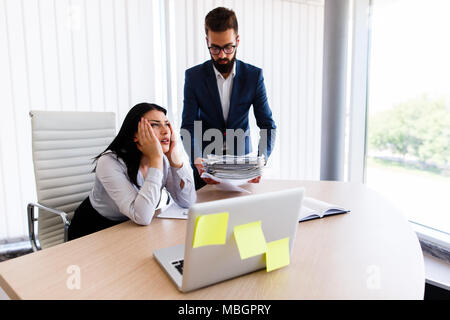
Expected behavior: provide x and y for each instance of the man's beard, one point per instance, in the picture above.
(226, 67)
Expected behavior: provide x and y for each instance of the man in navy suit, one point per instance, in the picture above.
(218, 95)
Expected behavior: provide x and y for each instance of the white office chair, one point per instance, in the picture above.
(63, 146)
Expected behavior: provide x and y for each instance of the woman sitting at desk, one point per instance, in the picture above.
(131, 172)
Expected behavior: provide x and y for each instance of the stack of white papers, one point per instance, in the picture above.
(234, 167)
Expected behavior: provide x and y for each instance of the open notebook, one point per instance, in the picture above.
(314, 209)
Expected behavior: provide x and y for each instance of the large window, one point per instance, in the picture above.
(408, 137)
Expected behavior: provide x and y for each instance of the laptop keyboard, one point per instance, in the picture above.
(178, 265)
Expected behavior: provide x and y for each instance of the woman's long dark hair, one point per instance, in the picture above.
(123, 144)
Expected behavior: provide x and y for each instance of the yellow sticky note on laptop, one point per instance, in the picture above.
(250, 239)
(210, 229)
(277, 254)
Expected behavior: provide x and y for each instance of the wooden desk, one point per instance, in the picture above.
(369, 253)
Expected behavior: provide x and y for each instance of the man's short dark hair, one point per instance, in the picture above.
(221, 19)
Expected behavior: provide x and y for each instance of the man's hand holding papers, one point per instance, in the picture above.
(232, 171)
(198, 163)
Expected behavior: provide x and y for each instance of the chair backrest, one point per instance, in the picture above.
(64, 144)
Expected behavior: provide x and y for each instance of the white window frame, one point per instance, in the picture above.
(359, 75)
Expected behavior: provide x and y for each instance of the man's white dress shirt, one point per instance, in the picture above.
(225, 87)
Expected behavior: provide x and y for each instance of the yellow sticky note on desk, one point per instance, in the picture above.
(210, 229)
(250, 239)
(277, 254)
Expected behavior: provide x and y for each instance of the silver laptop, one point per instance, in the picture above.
(192, 268)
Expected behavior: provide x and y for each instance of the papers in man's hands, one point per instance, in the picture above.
(173, 211)
(227, 184)
(313, 209)
(232, 171)
(234, 167)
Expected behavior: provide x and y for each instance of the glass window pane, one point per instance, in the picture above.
(408, 150)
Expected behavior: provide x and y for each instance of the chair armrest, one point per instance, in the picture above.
(64, 215)
(32, 219)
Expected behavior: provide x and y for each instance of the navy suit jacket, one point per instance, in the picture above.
(202, 103)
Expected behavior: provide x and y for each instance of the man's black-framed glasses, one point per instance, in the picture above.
(228, 49)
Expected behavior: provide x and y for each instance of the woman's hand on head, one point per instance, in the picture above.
(148, 144)
(173, 154)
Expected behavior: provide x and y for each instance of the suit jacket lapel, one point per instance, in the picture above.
(211, 83)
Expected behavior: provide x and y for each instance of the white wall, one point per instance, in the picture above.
(67, 55)
(111, 54)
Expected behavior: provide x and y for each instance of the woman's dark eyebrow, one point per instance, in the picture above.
(167, 121)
